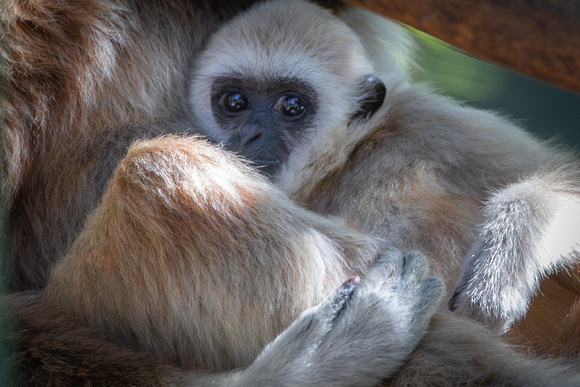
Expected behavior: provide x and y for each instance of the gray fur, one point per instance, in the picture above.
(395, 301)
(530, 230)
(420, 173)
(359, 336)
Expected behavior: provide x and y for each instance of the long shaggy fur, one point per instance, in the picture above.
(492, 207)
(192, 263)
(124, 306)
(80, 80)
(418, 173)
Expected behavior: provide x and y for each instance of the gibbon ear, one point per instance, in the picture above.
(372, 93)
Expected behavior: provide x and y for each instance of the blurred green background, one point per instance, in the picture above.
(543, 109)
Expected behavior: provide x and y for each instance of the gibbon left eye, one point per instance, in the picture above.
(290, 106)
(234, 101)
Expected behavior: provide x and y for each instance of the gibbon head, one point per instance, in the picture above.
(277, 71)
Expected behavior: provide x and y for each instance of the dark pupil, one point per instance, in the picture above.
(234, 102)
(291, 106)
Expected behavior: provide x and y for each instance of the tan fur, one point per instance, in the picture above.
(126, 307)
(233, 238)
(422, 192)
(165, 292)
(78, 78)
(191, 263)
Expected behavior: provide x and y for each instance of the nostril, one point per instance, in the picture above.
(256, 137)
(252, 137)
(251, 141)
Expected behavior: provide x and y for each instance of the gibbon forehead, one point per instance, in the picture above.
(274, 72)
(289, 38)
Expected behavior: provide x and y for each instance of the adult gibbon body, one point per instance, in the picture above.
(421, 172)
(83, 80)
(192, 263)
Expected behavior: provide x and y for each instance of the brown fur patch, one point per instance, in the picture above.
(83, 80)
(552, 323)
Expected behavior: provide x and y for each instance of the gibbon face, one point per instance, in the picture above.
(261, 122)
(257, 87)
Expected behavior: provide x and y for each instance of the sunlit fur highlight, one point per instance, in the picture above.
(165, 293)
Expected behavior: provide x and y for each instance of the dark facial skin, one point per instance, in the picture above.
(264, 120)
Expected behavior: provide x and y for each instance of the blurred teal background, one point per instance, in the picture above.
(543, 109)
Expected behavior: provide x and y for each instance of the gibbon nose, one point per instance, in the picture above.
(252, 136)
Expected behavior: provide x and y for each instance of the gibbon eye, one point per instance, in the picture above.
(234, 101)
(290, 106)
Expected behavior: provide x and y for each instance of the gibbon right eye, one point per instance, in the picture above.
(234, 101)
(290, 106)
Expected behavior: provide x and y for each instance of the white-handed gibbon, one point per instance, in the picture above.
(126, 307)
(192, 263)
(463, 186)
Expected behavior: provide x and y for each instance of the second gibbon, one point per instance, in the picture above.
(494, 209)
